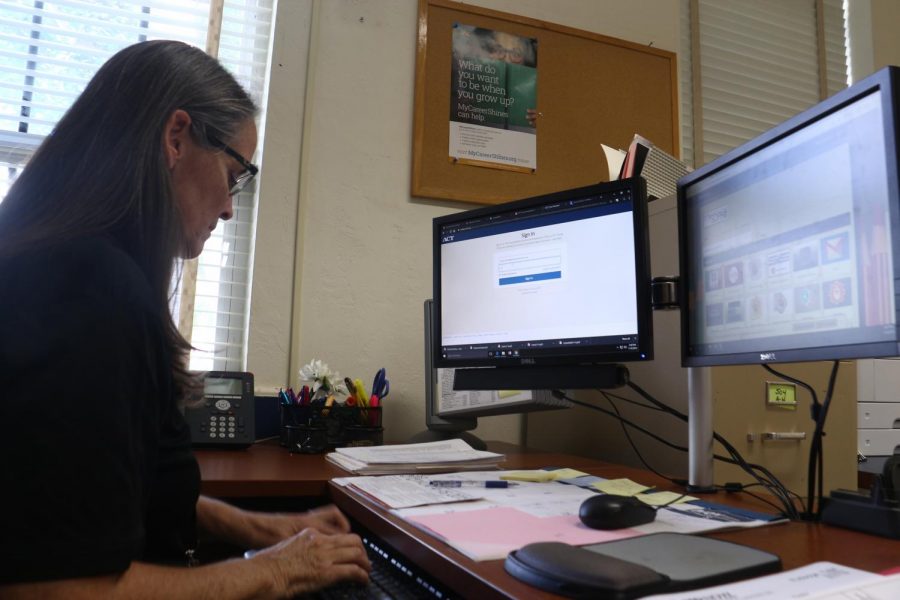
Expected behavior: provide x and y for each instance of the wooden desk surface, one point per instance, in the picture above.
(269, 470)
(264, 470)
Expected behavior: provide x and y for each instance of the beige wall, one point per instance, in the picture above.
(362, 244)
(343, 252)
(873, 36)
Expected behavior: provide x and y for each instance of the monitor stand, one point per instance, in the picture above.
(533, 377)
(700, 431)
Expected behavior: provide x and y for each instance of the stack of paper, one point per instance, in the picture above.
(430, 457)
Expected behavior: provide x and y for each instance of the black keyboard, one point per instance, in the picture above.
(391, 579)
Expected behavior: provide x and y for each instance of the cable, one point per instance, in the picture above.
(816, 465)
(819, 434)
(775, 487)
(763, 478)
(813, 461)
(628, 436)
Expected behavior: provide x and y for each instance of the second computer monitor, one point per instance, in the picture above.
(789, 243)
(560, 279)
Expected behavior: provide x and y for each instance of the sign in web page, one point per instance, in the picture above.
(565, 280)
(530, 260)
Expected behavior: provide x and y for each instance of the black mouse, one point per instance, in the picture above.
(608, 511)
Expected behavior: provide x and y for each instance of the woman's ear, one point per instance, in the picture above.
(176, 134)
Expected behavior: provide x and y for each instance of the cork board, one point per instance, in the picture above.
(591, 89)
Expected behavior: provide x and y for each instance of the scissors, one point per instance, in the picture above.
(381, 387)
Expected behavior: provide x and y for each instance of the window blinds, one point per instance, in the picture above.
(759, 65)
(222, 293)
(49, 49)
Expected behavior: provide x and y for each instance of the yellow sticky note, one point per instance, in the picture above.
(537, 475)
(504, 394)
(567, 474)
(620, 487)
(660, 498)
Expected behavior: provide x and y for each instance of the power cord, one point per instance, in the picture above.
(818, 413)
(758, 472)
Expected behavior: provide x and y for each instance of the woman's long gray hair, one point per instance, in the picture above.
(103, 172)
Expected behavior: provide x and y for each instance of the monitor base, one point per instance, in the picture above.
(531, 377)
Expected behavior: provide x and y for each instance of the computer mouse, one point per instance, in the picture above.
(608, 511)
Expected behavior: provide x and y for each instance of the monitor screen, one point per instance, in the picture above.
(787, 243)
(556, 279)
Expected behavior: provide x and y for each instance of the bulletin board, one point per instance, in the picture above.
(591, 90)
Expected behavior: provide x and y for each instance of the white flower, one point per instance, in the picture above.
(322, 377)
(315, 370)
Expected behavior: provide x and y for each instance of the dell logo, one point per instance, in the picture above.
(767, 356)
(527, 361)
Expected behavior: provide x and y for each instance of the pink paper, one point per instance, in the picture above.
(493, 533)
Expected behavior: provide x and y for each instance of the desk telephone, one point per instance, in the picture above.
(227, 416)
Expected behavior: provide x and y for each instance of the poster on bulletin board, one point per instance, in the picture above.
(509, 107)
(493, 98)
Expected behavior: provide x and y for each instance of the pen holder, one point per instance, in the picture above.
(305, 439)
(354, 426)
(339, 425)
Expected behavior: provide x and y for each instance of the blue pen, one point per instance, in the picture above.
(455, 483)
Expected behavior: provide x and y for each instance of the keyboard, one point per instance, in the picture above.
(391, 578)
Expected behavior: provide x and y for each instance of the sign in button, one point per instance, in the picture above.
(531, 277)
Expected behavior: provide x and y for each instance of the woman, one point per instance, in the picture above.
(101, 490)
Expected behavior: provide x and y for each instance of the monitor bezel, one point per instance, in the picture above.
(644, 352)
(884, 82)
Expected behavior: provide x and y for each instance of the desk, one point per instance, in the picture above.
(269, 470)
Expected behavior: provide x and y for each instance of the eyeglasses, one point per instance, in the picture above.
(236, 184)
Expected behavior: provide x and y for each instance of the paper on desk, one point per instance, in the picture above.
(885, 588)
(808, 582)
(405, 491)
(490, 528)
(448, 451)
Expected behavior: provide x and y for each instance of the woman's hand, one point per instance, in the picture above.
(271, 528)
(312, 560)
(252, 529)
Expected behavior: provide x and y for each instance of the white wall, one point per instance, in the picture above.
(343, 252)
(874, 42)
(343, 260)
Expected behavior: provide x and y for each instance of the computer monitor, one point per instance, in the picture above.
(451, 413)
(546, 292)
(789, 243)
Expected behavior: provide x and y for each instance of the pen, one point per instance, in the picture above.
(351, 389)
(455, 483)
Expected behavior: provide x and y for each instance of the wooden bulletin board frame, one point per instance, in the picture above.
(591, 89)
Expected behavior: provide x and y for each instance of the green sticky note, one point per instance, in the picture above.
(781, 394)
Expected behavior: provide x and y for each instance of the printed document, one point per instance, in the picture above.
(817, 581)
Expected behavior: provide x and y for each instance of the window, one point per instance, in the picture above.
(751, 65)
(49, 49)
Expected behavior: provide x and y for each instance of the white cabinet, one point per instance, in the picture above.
(878, 410)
